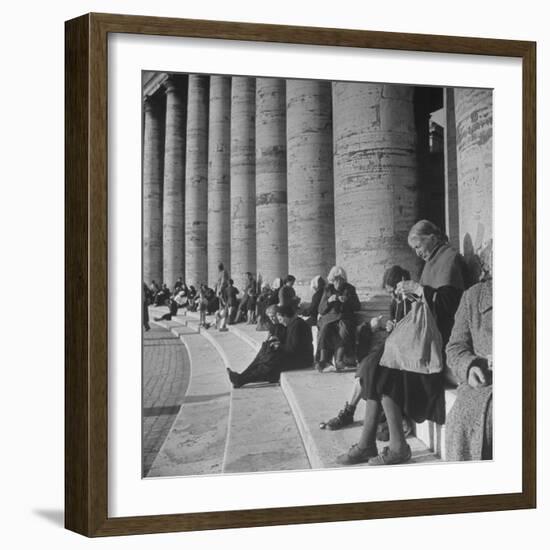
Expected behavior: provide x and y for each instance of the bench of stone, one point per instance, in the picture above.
(433, 434)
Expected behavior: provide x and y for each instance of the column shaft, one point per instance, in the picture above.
(243, 173)
(196, 181)
(474, 146)
(311, 246)
(271, 192)
(218, 175)
(153, 160)
(375, 167)
(174, 181)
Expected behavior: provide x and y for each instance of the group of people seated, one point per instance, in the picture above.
(395, 398)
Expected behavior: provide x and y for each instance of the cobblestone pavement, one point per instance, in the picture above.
(165, 381)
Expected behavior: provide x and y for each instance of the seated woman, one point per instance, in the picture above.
(274, 294)
(249, 294)
(298, 342)
(418, 396)
(173, 310)
(262, 303)
(192, 302)
(213, 301)
(469, 434)
(372, 346)
(311, 312)
(287, 294)
(337, 323)
(266, 366)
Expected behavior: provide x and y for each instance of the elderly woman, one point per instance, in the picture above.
(262, 304)
(469, 433)
(419, 396)
(369, 352)
(275, 290)
(337, 323)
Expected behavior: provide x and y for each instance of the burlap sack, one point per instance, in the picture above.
(415, 344)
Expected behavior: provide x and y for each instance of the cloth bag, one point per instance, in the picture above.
(415, 344)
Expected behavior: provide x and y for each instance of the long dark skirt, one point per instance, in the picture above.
(266, 366)
(336, 334)
(420, 396)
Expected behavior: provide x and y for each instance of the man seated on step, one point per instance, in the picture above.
(173, 311)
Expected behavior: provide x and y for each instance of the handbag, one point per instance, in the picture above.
(415, 344)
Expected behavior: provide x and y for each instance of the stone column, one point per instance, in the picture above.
(173, 246)
(375, 187)
(153, 161)
(243, 173)
(310, 181)
(451, 183)
(271, 197)
(218, 175)
(196, 181)
(474, 146)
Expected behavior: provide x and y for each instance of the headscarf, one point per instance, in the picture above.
(443, 268)
(316, 283)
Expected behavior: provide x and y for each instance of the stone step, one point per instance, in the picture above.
(196, 442)
(262, 435)
(314, 398)
(249, 334)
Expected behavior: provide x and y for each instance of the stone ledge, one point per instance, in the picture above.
(432, 434)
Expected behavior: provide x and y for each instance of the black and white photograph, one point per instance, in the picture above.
(316, 274)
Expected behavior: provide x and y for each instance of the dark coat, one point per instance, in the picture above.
(287, 296)
(298, 345)
(337, 310)
(312, 312)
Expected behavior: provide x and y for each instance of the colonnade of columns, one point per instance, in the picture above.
(275, 176)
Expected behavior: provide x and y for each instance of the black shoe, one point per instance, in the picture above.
(234, 378)
(344, 418)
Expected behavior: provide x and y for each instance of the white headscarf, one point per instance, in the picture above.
(314, 285)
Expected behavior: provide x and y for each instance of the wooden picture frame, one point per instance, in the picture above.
(86, 279)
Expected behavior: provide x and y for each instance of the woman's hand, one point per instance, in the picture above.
(390, 325)
(476, 377)
(409, 287)
(375, 322)
(332, 298)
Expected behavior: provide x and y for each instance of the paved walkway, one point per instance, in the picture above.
(165, 381)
